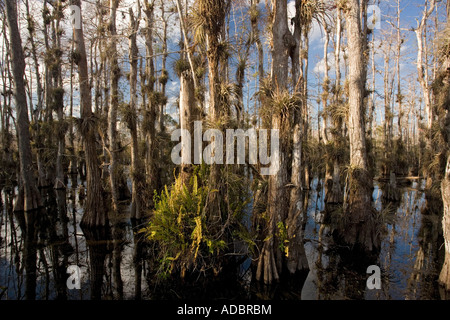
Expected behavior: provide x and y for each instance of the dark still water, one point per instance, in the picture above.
(112, 263)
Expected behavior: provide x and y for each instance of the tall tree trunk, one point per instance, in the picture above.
(32, 199)
(296, 256)
(397, 67)
(360, 229)
(256, 38)
(58, 99)
(151, 108)
(190, 57)
(298, 84)
(188, 114)
(40, 96)
(444, 277)
(325, 85)
(270, 261)
(422, 69)
(333, 187)
(136, 166)
(113, 107)
(164, 73)
(73, 158)
(94, 214)
(215, 12)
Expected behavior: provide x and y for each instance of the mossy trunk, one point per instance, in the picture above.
(188, 114)
(270, 263)
(94, 214)
(444, 277)
(113, 107)
(296, 260)
(151, 108)
(215, 12)
(137, 177)
(31, 197)
(360, 226)
(334, 190)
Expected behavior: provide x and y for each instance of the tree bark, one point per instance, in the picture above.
(150, 115)
(32, 199)
(360, 229)
(270, 263)
(137, 177)
(422, 70)
(444, 277)
(186, 43)
(94, 214)
(113, 107)
(215, 12)
(296, 257)
(333, 185)
(188, 114)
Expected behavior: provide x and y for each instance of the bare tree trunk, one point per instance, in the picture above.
(73, 158)
(298, 84)
(40, 96)
(422, 69)
(372, 98)
(188, 114)
(113, 106)
(94, 214)
(186, 43)
(257, 40)
(150, 115)
(397, 66)
(360, 229)
(333, 187)
(164, 73)
(306, 113)
(296, 257)
(136, 168)
(58, 99)
(391, 192)
(215, 12)
(32, 199)
(270, 261)
(444, 277)
(325, 85)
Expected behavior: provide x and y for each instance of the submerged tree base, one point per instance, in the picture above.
(361, 232)
(361, 225)
(392, 193)
(28, 201)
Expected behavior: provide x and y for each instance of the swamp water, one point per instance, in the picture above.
(410, 259)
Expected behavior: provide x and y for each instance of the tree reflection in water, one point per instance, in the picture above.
(37, 247)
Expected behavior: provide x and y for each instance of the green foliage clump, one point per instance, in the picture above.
(180, 66)
(179, 227)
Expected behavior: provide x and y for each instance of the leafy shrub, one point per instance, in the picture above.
(179, 227)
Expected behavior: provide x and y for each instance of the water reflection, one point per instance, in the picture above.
(36, 249)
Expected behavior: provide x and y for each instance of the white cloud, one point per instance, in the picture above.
(319, 68)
